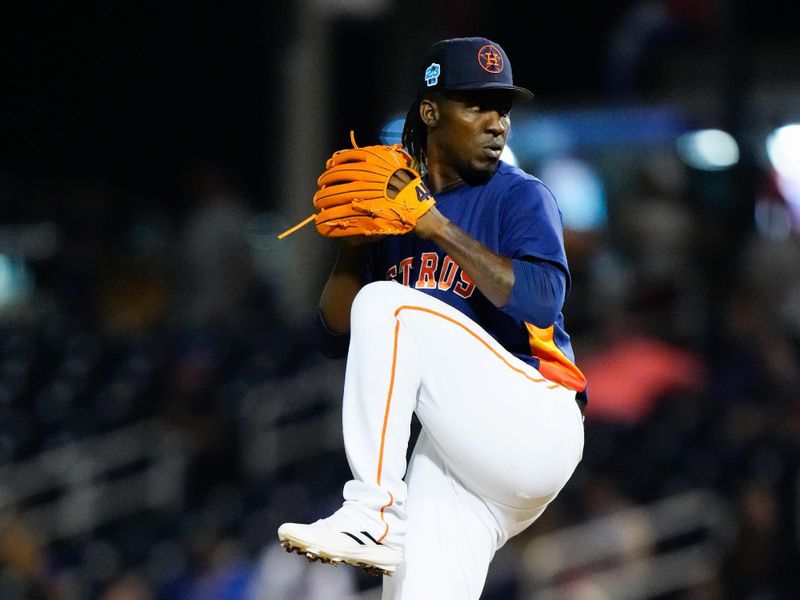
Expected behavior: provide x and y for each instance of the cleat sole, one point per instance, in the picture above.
(312, 555)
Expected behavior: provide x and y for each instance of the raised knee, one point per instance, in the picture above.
(376, 295)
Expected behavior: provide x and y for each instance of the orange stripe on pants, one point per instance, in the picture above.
(394, 370)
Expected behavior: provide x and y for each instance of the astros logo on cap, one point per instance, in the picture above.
(490, 59)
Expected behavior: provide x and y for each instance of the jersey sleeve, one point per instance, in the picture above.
(538, 292)
(531, 226)
(531, 234)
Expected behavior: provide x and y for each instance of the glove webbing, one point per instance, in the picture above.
(310, 218)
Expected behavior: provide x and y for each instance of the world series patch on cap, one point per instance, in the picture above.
(469, 63)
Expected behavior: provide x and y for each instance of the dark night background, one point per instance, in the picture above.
(132, 92)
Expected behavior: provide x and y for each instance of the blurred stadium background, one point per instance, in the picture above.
(162, 404)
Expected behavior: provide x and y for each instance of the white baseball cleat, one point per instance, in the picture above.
(326, 541)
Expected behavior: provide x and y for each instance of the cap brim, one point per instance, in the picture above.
(520, 94)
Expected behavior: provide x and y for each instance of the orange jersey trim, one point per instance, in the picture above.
(553, 363)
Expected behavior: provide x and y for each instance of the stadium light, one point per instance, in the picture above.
(579, 191)
(708, 149)
(783, 149)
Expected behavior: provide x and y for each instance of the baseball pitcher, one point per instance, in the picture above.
(446, 297)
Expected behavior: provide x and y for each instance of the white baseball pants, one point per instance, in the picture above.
(498, 441)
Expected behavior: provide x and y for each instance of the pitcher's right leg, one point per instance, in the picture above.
(451, 537)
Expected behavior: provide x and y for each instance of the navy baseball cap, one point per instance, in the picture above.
(469, 63)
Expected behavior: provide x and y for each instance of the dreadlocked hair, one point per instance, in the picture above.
(415, 136)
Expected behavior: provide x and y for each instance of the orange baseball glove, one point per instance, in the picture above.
(362, 192)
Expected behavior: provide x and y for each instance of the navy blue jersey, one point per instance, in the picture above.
(514, 215)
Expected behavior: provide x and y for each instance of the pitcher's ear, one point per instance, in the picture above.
(429, 112)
